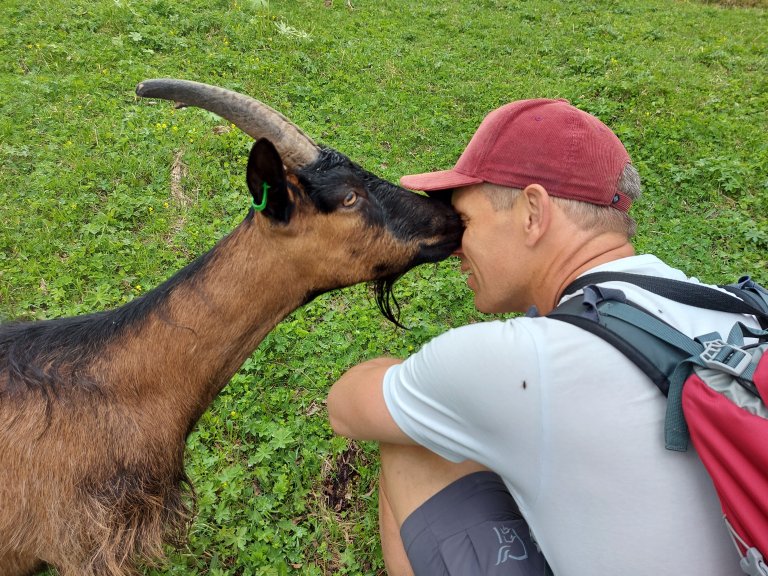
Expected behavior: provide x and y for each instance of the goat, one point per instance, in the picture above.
(95, 409)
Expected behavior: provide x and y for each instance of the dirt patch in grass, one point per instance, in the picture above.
(339, 484)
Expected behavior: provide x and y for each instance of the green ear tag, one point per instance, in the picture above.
(263, 204)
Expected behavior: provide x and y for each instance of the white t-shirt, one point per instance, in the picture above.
(577, 433)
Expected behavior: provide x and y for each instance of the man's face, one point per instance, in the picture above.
(489, 250)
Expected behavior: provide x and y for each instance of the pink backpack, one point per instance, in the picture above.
(716, 388)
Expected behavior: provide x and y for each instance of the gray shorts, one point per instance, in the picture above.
(471, 528)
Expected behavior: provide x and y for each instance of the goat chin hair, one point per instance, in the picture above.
(386, 300)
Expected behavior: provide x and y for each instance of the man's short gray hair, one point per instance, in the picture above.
(588, 216)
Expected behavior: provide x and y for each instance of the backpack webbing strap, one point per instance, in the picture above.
(751, 298)
(750, 291)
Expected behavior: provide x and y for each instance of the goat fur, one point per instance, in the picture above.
(95, 409)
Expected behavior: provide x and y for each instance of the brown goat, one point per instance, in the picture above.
(95, 409)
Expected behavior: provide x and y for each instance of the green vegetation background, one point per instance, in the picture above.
(103, 196)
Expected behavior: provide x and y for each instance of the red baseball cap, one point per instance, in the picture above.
(548, 142)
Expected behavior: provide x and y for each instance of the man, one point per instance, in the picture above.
(532, 407)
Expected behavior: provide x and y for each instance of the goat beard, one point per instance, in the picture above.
(386, 300)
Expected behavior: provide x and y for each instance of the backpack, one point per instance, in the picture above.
(716, 388)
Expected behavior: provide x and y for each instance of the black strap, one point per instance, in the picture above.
(684, 292)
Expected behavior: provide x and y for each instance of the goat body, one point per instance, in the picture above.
(95, 410)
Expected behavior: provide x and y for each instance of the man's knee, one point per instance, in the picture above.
(471, 526)
(410, 475)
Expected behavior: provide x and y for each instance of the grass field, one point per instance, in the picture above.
(103, 196)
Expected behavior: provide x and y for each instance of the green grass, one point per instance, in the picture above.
(104, 196)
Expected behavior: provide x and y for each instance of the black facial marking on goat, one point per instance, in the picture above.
(328, 180)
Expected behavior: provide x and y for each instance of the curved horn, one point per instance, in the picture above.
(252, 117)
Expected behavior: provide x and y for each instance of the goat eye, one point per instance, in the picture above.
(350, 199)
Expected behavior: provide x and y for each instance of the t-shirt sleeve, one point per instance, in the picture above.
(466, 393)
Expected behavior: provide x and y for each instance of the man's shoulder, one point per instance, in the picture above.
(517, 339)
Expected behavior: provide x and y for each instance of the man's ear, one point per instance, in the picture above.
(267, 182)
(538, 212)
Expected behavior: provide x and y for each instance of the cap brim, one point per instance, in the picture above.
(441, 180)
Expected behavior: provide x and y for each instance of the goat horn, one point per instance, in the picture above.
(252, 117)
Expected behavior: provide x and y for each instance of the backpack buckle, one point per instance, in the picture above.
(719, 355)
(752, 563)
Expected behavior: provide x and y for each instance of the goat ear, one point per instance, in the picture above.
(266, 176)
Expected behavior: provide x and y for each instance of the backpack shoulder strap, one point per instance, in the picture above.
(751, 298)
(658, 349)
(663, 353)
(648, 353)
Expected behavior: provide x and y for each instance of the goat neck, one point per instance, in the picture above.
(193, 343)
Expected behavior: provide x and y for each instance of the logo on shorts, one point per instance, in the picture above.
(511, 546)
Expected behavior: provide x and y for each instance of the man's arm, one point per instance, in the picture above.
(356, 407)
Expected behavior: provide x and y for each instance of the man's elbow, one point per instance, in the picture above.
(356, 406)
